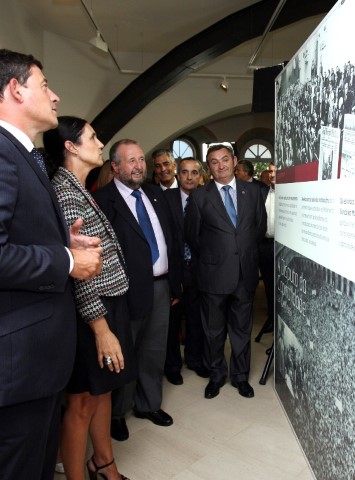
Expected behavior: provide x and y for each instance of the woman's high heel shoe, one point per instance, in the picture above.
(93, 475)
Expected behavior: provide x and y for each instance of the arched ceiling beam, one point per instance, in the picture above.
(197, 52)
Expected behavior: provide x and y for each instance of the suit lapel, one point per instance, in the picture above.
(42, 178)
(121, 208)
(155, 201)
(217, 203)
(177, 207)
(241, 199)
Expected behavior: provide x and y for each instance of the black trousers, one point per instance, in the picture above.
(195, 342)
(232, 314)
(29, 437)
(267, 270)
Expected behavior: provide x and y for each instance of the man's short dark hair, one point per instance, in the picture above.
(219, 146)
(15, 65)
(248, 167)
(190, 159)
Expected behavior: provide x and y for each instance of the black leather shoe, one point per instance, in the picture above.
(212, 389)
(175, 378)
(119, 430)
(159, 417)
(245, 390)
(200, 371)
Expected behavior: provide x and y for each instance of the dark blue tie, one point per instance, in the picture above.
(228, 202)
(187, 250)
(40, 161)
(146, 225)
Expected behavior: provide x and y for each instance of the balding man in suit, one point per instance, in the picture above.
(153, 278)
(224, 222)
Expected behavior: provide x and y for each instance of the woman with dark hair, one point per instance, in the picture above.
(104, 358)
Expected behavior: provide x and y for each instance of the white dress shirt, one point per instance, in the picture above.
(270, 210)
(160, 267)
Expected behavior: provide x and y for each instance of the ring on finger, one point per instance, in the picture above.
(107, 360)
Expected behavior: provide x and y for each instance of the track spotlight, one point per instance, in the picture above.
(99, 43)
(224, 85)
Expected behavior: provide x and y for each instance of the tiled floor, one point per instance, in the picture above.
(226, 438)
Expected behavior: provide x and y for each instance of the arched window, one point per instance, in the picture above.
(183, 148)
(258, 151)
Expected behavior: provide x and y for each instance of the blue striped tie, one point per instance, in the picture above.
(146, 225)
(187, 250)
(228, 203)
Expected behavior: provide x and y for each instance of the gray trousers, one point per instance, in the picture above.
(150, 338)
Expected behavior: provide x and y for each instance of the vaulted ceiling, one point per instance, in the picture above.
(163, 41)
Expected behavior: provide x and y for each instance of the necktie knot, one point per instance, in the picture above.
(137, 194)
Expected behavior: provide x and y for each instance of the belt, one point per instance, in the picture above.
(160, 277)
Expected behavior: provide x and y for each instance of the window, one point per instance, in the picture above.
(182, 149)
(260, 152)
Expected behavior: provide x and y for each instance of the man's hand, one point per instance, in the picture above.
(79, 241)
(87, 263)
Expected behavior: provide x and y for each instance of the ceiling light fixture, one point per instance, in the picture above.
(224, 85)
(99, 43)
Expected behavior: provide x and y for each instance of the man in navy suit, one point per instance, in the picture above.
(189, 173)
(224, 222)
(37, 255)
(153, 283)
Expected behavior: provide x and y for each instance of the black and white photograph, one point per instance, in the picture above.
(315, 311)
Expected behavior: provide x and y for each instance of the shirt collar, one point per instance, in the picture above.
(174, 185)
(232, 183)
(18, 134)
(123, 189)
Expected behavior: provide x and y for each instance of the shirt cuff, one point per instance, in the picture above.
(71, 260)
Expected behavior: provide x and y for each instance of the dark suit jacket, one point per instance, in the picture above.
(173, 198)
(264, 188)
(265, 192)
(224, 251)
(135, 246)
(37, 314)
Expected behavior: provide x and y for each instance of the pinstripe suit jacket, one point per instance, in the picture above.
(37, 312)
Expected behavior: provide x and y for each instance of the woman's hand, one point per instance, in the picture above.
(108, 347)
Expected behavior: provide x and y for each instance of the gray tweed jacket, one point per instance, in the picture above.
(76, 202)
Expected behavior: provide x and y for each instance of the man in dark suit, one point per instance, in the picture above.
(189, 176)
(266, 251)
(245, 171)
(153, 283)
(224, 222)
(37, 312)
